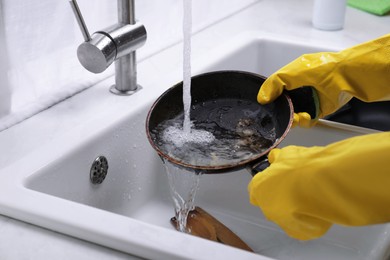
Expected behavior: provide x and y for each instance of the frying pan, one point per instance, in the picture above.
(222, 102)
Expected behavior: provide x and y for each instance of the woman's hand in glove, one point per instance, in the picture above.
(362, 71)
(307, 189)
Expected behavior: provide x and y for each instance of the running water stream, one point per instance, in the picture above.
(207, 141)
(184, 184)
(187, 29)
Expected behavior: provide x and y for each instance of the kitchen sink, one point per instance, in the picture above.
(373, 115)
(130, 210)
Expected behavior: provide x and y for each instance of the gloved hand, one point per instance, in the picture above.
(306, 190)
(362, 71)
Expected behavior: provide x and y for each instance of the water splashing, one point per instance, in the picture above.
(184, 185)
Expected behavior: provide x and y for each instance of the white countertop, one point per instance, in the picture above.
(291, 19)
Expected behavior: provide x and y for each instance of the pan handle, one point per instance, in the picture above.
(303, 100)
(258, 166)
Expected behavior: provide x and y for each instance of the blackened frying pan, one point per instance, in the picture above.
(217, 99)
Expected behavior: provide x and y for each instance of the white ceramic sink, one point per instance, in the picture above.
(130, 210)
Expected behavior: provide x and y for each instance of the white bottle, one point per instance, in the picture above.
(329, 14)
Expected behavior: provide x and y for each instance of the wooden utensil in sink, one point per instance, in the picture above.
(202, 224)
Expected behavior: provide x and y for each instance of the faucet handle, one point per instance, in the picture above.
(80, 20)
(97, 53)
(101, 49)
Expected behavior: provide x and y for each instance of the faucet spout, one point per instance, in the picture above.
(116, 43)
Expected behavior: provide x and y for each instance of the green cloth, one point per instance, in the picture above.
(378, 7)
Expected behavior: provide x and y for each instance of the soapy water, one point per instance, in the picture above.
(225, 132)
(180, 136)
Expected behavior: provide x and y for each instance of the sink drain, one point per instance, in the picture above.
(99, 170)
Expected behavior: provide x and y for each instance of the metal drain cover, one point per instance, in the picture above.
(99, 170)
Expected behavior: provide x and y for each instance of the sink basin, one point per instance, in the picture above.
(131, 208)
(374, 115)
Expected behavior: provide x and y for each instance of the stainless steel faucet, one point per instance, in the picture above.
(118, 43)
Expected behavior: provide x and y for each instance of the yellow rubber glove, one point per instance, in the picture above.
(303, 119)
(362, 71)
(306, 190)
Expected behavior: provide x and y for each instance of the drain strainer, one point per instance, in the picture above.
(99, 170)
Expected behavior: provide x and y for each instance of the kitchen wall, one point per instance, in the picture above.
(39, 38)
